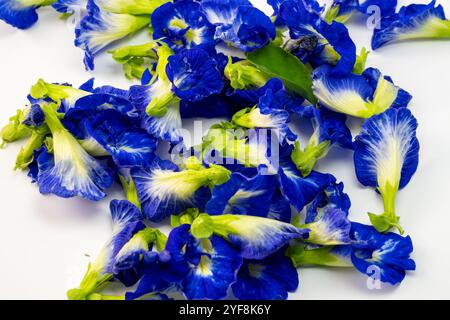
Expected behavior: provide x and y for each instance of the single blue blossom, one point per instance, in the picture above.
(21, 13)
(386, 157)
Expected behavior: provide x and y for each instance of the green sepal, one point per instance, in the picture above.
(15, 129)
(124, 54)
(242, 118)
(92, 282)
(385, 221)
(202, 227)
(99, 296)
(26, 153)
(306, 159)
(321, 256)
(361, 60)
(130, 190)
(278, 63)
(245, 75)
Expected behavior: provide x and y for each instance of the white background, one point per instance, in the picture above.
(45, 241)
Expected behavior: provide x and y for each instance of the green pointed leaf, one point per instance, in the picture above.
(281, 64)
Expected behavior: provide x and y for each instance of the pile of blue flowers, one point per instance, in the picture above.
(246, 205)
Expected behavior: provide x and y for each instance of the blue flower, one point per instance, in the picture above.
(99, 28)
(268, 279)
(384, 255)
(214, 264)
(75, 172)
(329, 129)
(386, 157)
(238, 23)
(164, 271)
(297, 189)
(331, 228)
(164, 190)
(255, 237)
(183, 25)
(128, 145)
(357, 95)
(42, 161)
(416, 21)
(70, 6)
(63, 94)
(127, 221)
(21, 13)
(332, 197)
(132, 259)
(330, 42)
(194, 74)
(243, 195)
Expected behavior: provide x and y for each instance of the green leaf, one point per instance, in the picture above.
(281, 64)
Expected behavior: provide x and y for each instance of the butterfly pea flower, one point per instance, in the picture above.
(329, 129)
(130, 263)
(128, 145)
(280, 208)
(358, 95)
(386, 157)
(183, 25)
(416, 21)
(63, 94)
(239, 24)
(330, 43)
(26, 154)
(21, 13)
(386, 254)
(332, 197)
(255, 237)
(213, 266)
(126, 222)
(268, 279)
(163, 189)
(75, 172)
(297, 189)
(100, 28)
(332, 227)
(243, 195)
(194, 74)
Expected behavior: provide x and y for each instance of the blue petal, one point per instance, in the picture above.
(268, 279)
(332, 228)
(75, 173)
(387, 150)
(239, 23)
(35, 117)
(129, 146)
(42, 161)
(242, 195)
(279, 209)
(332, 197)
(345, 95)
(299, 190)
(256, 237)
(18, 13)
(416, 21)
(388, 254)
(127, 221)
(303, 21)
(214, 264)
(194, 74)
(183, 25)
(99, 28)
(163, 191)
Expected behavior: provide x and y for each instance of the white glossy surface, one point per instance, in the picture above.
(44, 240)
